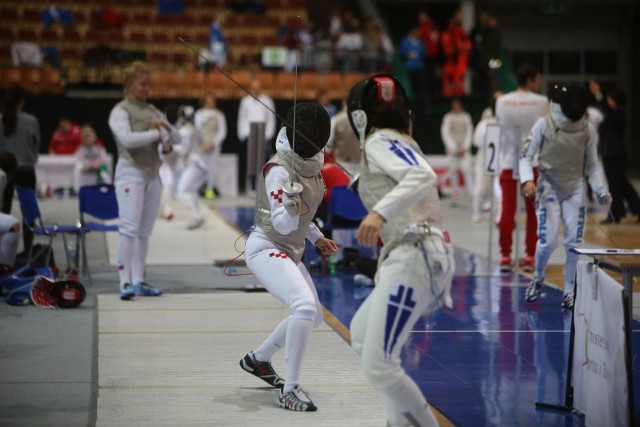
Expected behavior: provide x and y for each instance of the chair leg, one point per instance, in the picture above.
(85, 262)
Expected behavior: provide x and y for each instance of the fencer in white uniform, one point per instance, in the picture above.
(211, 124)
(275, 246)
(415, 269)
(138, 128)
(567, 147)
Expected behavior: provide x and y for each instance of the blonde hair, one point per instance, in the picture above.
(88, 130)
(133, 71)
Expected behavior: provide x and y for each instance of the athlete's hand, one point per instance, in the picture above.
(326, 246)
(369, 230)
(529, 189)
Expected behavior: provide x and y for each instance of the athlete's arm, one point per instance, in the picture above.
(121, 128)
(405, 164)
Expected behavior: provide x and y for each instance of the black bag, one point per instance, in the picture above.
(39, 255)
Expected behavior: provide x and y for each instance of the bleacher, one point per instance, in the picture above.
(148, 34)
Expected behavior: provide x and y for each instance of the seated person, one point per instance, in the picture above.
(92, 161)
(66, 138)
(9, 224)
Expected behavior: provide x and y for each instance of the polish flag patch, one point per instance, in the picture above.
(277, 195)
(278, 254)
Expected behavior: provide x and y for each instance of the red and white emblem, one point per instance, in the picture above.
(278, 254)
(277, 195)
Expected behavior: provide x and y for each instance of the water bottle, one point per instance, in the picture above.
(332, 265)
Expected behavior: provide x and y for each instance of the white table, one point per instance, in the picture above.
(57, 172)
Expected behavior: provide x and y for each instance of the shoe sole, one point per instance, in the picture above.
(127, 297)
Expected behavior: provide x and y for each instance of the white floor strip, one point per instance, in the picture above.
(174, 361)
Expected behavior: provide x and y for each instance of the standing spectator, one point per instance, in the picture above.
(430, 36)
(456, 131)
(484, 184)
(613, 152)
(516, 112)
(335, 24)
(9, 224)
(138, 129)
(377, 50)
(456, 47)
(413, 53)
(217, 51)
(258, 108)
(66, 139)
(20, 136)
(91, 161)
(211, 124)
(343, 144)
(349, 46)
(487, 40)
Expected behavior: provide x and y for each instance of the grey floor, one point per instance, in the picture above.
(90, 365)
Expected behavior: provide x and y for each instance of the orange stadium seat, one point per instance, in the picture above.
(219, 84)
(308, 85)
(194, 82)
(51, 81)
(30, 79)
(284, 83)
(10, 75)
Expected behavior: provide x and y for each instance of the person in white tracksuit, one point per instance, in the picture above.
(211, 124)
(456, 130)
(399, 189)
(276, 244)
(567, 147)
(138, 129)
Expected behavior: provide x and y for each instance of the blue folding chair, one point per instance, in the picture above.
(345, 210)
(98, 201)
(32, 218)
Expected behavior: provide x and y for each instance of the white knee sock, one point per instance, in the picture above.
(297, 341)
(273, 343)
(138, 259)
(125, 249)
(9, 248)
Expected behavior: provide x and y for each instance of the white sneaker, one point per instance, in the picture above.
(475, 218)
(296, 400)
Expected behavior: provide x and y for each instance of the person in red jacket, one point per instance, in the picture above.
(66, 138)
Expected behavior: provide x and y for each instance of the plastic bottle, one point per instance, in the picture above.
(332, 265)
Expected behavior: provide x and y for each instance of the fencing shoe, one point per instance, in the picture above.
(262, 370)
(533, 291)
(567, 301)
(126, 292)
(296, 400)
(145, 289)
